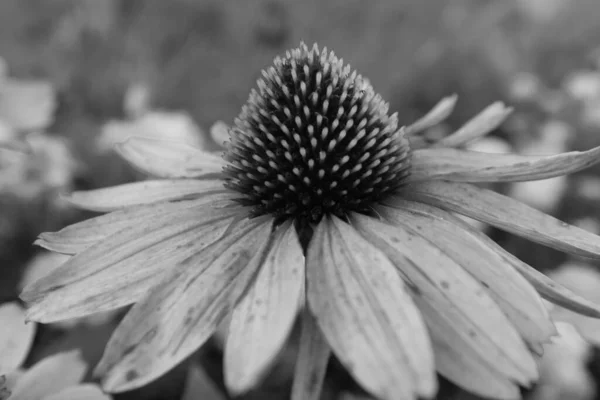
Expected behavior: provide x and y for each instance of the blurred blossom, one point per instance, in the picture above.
(563, 368)
(589, 224)
(583, 85)
(219, 133)
(56, 377)
(26, 105)
(48, 166)
(137, 98)
(164, 125)
(585, 280)
(525, 86)
(587, 187)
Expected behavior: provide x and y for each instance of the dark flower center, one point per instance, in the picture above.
(314, 140)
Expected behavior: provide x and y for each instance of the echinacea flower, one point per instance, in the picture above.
(324, 207)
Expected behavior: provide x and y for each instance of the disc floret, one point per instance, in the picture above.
(315, 139)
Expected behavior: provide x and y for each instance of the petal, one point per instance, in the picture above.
(265, 315)
(177, 317)
(16, 337)
(456, 308)
(78, 237)
(168, 158)
(480, 125)
(511, 291)
(51, 375)
(472, 166)
(198, 386)
(86, 391)
(507, 214)
(146, 192)
(470, 373)
(90, 283)
(437, 114)
(367, 316)
(311, 365)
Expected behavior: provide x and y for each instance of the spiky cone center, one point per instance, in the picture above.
(314, 139)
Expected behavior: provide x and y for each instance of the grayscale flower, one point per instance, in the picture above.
(323, 207)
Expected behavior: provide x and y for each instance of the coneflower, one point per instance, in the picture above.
(323, 207)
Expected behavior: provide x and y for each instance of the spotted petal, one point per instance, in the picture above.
(458, 311)
(480, 125)
(511, 291)
(471, 166)
(311, 365)
(169, 159)
(367, 316)
(78, 237)
(266, 314)
(121, 269)
(177, 317)
(138, 193)
(505, 213)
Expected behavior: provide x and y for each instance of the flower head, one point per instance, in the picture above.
(322, 208)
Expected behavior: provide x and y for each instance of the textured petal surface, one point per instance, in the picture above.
(511, 291)
(78, 237)
(455, 306)
(169, 159)
(437, 114)
(478, 126)
(262, 321)
(146, 192)
(16, 336)
(79, 392)
(367, 316)
(121, 269)
(311, 365)
(51, 375)
(472, 166)
(176, 318)
(507, 214)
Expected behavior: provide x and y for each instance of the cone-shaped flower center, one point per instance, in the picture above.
(313, 140)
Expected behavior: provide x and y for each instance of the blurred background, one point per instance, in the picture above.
(76, 76)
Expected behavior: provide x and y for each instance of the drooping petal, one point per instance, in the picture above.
(437, 114)
(16, 337)
(361, 305)
(480, 125)
(453, 303)
(90, 283)
(50, 375)
(145, 192)
(505, 213)
(86, 391)
(169, 159)
(471, 372)
(472, 166)
(311, 365)
(78, 237)
(179, 315)
(262, 321)
(511, 291)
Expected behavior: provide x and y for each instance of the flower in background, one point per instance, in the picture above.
(152, 124)
(56, 377)
(322, 207)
